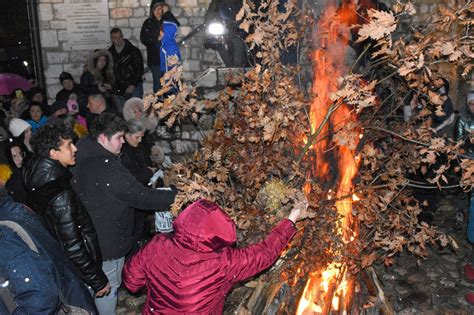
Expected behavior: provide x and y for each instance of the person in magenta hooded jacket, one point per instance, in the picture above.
(192, 270)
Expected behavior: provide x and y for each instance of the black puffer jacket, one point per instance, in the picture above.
(149, 37)
(110, 194)
(50, 194)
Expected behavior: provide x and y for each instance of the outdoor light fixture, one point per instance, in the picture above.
(25, 63)
(216, 29)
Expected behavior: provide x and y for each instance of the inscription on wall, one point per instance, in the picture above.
(87, 23)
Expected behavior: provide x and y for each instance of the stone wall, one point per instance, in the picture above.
(459, 87)
(180, 141)
(129, 16)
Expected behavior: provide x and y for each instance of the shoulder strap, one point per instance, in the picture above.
(4, 292)
(21, 233)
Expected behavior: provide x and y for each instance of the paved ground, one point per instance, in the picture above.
(437, 286)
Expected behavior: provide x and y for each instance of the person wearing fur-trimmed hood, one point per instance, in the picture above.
(134, 108)
(98, 75)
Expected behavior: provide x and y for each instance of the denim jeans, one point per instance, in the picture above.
(113, 270)
(470, 223)
(138, 90)
(157, 74)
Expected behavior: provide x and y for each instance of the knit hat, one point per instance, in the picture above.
(65, 76)
(158, 156)
(470, 96)
(57, 106)
(17, 126)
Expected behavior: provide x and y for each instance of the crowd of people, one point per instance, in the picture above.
(453, 128)
(63, 247)
(79, 176)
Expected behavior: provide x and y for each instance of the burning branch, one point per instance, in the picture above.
(357, 160)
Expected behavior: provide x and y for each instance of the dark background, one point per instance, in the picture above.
(15, 38)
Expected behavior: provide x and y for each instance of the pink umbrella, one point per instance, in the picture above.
(10, 82)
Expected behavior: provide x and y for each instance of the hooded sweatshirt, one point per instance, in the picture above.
(192, 270)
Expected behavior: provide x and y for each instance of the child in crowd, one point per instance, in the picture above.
(37, 119)
(193, 269)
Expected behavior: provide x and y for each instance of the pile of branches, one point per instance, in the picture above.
(255, 160)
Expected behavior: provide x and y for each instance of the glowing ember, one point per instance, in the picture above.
(331, 289)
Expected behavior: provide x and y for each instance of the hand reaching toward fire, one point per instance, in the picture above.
(299, 209)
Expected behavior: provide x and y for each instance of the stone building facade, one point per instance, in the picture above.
(128, 15)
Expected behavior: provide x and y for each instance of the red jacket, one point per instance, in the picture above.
(192, 270)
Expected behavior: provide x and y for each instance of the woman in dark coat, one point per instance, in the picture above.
(133, 158)
(16, 154)
(98, 78)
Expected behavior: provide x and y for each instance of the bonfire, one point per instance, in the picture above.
(341, 141)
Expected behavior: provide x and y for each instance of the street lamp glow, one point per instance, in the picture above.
(216, 29)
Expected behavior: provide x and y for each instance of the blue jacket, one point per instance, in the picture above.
(37, 125)
(168, 44)
(33, 275)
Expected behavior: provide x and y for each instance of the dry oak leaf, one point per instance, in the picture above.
(381, 24)
(368, 260)
(369, 150)
(407, 68)
(437, 143)
(447, 48)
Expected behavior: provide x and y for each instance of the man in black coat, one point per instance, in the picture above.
(128, 65)
(69, 87)
(51, 196)
(110, 194)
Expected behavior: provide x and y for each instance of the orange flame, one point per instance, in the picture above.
(333, 38)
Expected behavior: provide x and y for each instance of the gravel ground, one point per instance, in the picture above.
(436, 286)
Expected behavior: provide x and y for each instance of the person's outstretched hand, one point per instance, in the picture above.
(104, 291)
(299, 209)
